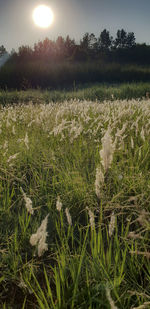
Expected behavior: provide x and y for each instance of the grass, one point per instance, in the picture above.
(88, 92)
(102, 258)
(45, 74)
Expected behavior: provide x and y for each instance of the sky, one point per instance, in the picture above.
(73, 18)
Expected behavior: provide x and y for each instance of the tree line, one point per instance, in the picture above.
(122, 48)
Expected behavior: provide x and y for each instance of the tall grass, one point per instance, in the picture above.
(93, 92)
(94, 248)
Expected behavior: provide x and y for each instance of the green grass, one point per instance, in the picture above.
(57, 149)
(91, 92)
(45, 74)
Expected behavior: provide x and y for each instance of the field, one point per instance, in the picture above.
(94, 92)
(75, 202)
(62, 74)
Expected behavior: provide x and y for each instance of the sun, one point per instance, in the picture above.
(43, 16)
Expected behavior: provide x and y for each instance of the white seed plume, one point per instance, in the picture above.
(7, 123)
(120, 132)
(40, 237)
(106, 153)
(28, 202)
(68, 216)
(132, 143)
(42, 246)
(58, 204)
(26, 140)
(146, 305)
(5, 146)
(112, 224)
(13, 130)
(142, 134)
(111, 302)
(92, 220)
(13, 157)
(98, 181)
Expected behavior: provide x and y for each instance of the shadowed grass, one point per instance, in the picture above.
(89, 91)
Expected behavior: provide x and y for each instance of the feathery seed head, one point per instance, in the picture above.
(98, 181)
(111, 302)
(106, 153)
(58, 204)
(28, 202)
(68, 216)
(92, 220)
(40, 237)
(112, 224)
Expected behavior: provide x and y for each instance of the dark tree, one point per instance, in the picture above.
(60, 47)
(130, 41)
(85, 42)
(105, 40)
(121, 39)
(45, 50)
(69, 46)
(25, 52)
(88, 41)
(3, 50)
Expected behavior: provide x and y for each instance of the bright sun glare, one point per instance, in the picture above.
(43, 16)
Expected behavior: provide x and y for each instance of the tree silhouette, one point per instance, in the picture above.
(25, 52)
(130, 41)
(2, 50)
(105, 40)
(69, 46)
(121, 39)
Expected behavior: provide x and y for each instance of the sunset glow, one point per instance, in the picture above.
(43, 16)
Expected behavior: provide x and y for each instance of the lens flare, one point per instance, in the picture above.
(43, 16)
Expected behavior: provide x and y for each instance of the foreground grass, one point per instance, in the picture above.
(91, 92)
(85, 165)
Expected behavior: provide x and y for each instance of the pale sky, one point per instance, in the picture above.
(73, 18)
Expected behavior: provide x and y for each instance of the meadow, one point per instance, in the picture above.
(75, 202)
(88, 91)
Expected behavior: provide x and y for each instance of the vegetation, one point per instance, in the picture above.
(60, 63)
(74, 188)
(92, 92)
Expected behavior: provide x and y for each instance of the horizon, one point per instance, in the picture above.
(73, 18)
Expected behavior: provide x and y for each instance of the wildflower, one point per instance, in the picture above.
(28, 202)
(111, 302)
(68, 216)
(58, 204)
(112, 224)
(99, 180)
(40, 237)
(91, 216)
(106, 153)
